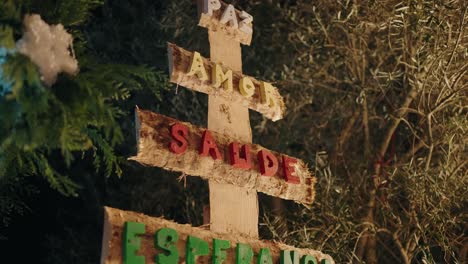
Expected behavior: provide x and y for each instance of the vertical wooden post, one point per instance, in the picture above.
(232, 209)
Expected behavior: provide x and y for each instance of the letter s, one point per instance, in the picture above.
(179, 142)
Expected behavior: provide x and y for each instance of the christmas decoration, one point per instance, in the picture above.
(48, 46)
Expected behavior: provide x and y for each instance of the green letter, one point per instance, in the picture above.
(165, 239)
(306, 259)
(219, 255)
(195, 247)
(324, 261)
(131, 243)
(264, 256)
(289, 257)
(244, 254)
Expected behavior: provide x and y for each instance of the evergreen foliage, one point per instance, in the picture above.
(44, 130)
(376, 95)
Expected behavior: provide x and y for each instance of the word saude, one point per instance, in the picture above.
(239, 156)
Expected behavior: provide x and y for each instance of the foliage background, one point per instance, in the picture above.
(376, 96)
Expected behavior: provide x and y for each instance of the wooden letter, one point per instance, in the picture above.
(197, 67)
(218, 77)
(132, 243)
(307, 259)
(229, 16)
(179, 143)
(195, 247)
(246, 87)
(244, 254)
(264, 256)
(208, 146)
(114, 233)
(289, 257)
(166, 239)
(288, 170)
(219, 253)
(268, 163)
(210, 5)
(244, 24)
(266, 94)
(244, 162)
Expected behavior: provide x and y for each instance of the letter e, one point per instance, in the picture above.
(289, 170)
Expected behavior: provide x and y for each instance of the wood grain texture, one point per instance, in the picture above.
(233, 209)
(153, 139)
(114, 226)
(212, 23)
(179, 63)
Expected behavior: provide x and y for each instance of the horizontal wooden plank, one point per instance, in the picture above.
(179, 64)
(153, 139)
(213, 22)
(114, 223)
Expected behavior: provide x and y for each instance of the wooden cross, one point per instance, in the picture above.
(233, 192)
(232, 208)
(223, 154)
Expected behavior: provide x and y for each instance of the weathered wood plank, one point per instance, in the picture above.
(115, 219)
(241, 216)
(213, 23)
(179, 64)
(153, 139)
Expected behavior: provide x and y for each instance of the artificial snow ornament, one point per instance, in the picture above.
(48, 47)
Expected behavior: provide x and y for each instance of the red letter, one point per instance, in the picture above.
(267, 162)
(237, 161)
(288, 170)
(179, 143)
(208, 146)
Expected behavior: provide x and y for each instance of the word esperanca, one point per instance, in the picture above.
(167, 243)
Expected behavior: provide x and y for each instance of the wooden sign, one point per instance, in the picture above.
(178, 146)
(135, 238)
(223, 154)
(215, 15)
(191, 70)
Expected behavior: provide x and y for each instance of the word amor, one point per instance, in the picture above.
(219, 77)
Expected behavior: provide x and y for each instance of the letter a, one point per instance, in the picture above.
(197, 67)
(208, 146)
(229, 15)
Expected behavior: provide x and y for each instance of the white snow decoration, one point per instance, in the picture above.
(48, 47)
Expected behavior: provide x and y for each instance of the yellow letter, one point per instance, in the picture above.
(197, 67)
(218, 77)
(246, 87)
(266, 94)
